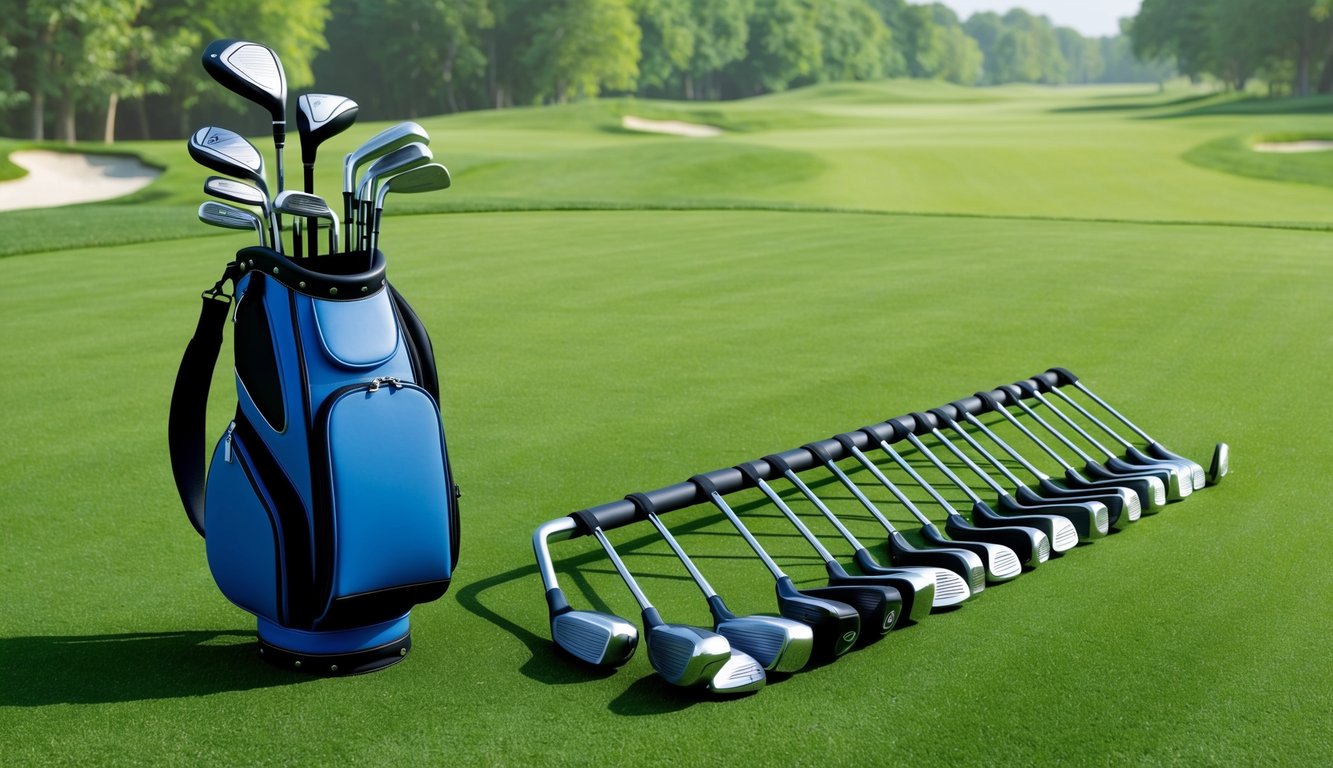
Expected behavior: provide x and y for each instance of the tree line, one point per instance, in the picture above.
(1287, 43)
(128, 68)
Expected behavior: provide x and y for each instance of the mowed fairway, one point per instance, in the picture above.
(591, 353)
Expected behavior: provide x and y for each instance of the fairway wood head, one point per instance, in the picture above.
(915, 587)
(227, 152)
(388, 140)
(835, 625)
(740, 674)
(685, 655)
(319, 117)
(966, 564)
(599, 639)
(251, 70)
(878, 607)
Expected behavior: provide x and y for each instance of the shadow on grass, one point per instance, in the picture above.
(40, 671)
(1303, 105)
(1130, 106)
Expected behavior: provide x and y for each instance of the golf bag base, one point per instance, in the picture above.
(335, 654)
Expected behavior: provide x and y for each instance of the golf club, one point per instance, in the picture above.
(255, 72)
(312, 207)
(1121, 507)
(319, 117)
(1179, 481)
(1090, 518)
(386, 141)
(593, 637)
(835, 624)
(1061, 532)
(1221, 453)
(684, 655)
(234, 191)
(778, 644)
(961, 561)
(426, 178)
(915, 588)
(1150, 490)
(1030, 546)
(231, 217)
(396, 162)
(1150, 486)
(229, 153)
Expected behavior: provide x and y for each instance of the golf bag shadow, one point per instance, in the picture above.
(328, 507)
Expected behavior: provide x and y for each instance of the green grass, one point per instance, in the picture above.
(587, 354)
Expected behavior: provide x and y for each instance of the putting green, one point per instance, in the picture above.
(588, 354)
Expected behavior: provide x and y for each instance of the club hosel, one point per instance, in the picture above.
(719, 609)
(651, 618)
(556, 601)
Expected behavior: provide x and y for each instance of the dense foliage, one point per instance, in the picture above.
(107, 68)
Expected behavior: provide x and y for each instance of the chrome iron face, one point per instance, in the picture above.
(740, 674)
(777, 644)
(231, 217)
(600, 639)
(685, 655)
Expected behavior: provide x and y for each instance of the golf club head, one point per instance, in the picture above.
(593, 637)
(230, 217)
(250, 70)
(227, 152)
(915, 588)
(1138, 458)
(1150, 487)
(1090, 518)
(398, 161)
(1001, 562)
(879, 607)
(778, 644)
(303, 204)
(1179, 481)
(740, 674)
(950, 588)
(1061, 533)
(1156, 452)
(966, 564)
(1121, 504)
(388, 140)
(319, 117)
(1221, 463)
(835, 625)
(1030, 545)
(684, 655)
(235, 191)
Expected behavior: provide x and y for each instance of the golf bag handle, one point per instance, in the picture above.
(671, 498)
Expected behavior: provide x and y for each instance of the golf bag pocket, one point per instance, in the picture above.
(392, 521)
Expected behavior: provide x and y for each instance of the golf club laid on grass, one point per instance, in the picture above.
(1090, 518)
(1150, 487)
(319, 117)
(684, 655)
(593, 637)
(967, 565)
(234, 191)
(1029, 545)
(1059, 532)
(780, 645)
(836, 625)
(302, 205)
(1121, 507)
(388, 140)
(1150, 490)
(1221, 453)
(915, 588)
(231, 217)
(426, 178)
(1178, 479)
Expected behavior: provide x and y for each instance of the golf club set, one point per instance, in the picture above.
(1018, 517)
(397, 159)
(327, 506)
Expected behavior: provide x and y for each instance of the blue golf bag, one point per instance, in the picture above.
(328, 507)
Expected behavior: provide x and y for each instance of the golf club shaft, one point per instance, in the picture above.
(698, 577)
(312, 236)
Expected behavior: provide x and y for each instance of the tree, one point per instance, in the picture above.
(782, 46)
(721, 34)
(583, 46)
(853, 39)
(667, 42)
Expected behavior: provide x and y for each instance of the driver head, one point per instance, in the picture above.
(251, 70)
(319, 117)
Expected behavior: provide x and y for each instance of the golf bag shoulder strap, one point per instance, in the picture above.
(189, 399)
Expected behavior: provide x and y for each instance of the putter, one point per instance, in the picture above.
(1221, 452)
(426, 178)
(230, 217)
(1059, 530)
(592, 637)
(684, 655)
(386, 141)
(234, 191)
(779, 645)
(836, 625)
(913, 590)
(319, 117)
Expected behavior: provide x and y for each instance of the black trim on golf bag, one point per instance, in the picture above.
(337, 501)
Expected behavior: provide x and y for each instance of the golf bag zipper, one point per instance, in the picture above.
(226, 442)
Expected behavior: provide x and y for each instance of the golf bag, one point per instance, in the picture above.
(328, 507)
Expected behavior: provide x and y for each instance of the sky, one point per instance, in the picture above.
(1093, 18)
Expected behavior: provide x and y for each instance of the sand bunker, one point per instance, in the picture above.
(1294, 146)
(673, 127)
(62, 178)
